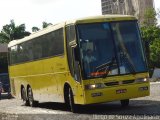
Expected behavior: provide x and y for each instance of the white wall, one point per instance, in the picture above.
(156, 73)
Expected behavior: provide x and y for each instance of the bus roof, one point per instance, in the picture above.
(101, 18)
(37, 34)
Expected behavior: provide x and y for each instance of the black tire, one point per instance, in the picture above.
(31, 101)
(125, 103)
(24, 97)
(72, 106)
(9, 96)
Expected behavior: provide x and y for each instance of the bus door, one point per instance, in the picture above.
(73, 62)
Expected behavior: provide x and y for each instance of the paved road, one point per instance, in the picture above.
(140, 108)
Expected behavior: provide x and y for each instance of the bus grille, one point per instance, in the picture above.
(127, 81)
(117, 83)
(112, 83)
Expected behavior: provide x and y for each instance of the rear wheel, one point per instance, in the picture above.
(24, 97)
(32, 103)
(125, 103)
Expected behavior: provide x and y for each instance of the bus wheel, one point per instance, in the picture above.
(24, 97)
(32, 103)
(125, 103)
(72, 106)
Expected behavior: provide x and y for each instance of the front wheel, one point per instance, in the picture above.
(72, 105)
(32, 103)
(125, 103)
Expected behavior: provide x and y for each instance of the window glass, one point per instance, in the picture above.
(129, 48)
(58, 44)
(37, 49)
(51, 44)
(13, 54)
(97, 50)
(110, 49)
(29, 50)
(70, 36)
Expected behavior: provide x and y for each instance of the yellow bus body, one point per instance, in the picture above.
(48, 76)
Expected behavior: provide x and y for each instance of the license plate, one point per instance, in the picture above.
(121, 91)
(143, 88)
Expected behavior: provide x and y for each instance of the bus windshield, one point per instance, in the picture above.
(110, 49)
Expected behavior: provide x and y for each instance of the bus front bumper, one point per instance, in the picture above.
(116, 93)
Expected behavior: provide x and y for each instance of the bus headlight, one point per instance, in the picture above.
(139, 80)
(94, 86)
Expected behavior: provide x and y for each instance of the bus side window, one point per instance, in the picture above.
(13, 55)
(37, 49)
(30, 51)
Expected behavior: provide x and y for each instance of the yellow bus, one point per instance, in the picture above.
(84, 61)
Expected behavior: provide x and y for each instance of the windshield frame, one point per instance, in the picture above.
(115, 49)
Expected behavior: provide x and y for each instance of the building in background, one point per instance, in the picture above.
(3, 58)
(127, 7)
(3, 48)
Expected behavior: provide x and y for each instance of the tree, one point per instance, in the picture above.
(155, 52)
(45, 24)
(11, 32)
(149, 28)
(150, 17)
(35, 29)
(151, 35)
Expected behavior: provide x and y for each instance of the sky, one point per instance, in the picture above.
(34, 12)
(157, 6)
